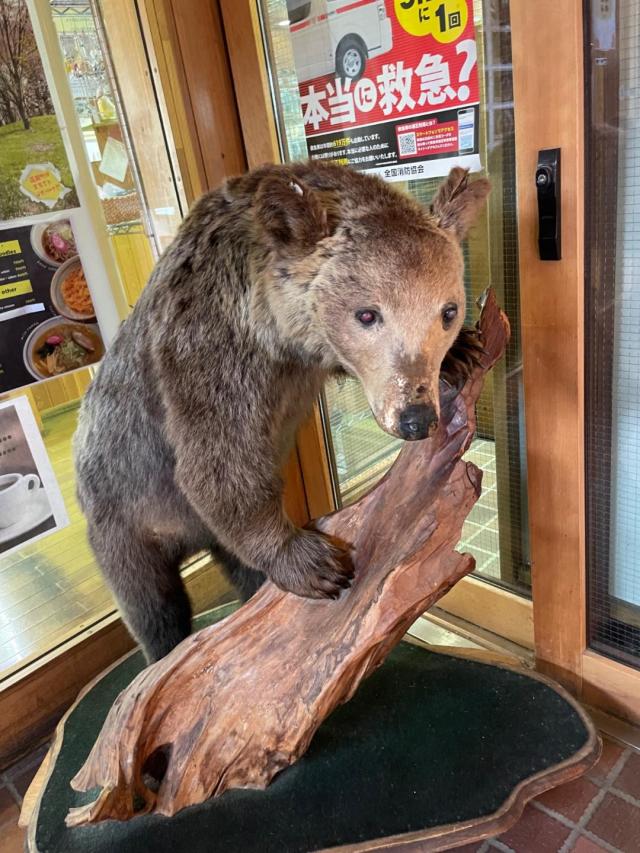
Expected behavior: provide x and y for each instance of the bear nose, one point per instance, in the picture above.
(416, 421)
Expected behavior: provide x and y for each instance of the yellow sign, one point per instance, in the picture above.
(10, 247)
(445, 20)
(41, 182)
(16, 288)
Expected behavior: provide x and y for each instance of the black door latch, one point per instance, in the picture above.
(548, 191)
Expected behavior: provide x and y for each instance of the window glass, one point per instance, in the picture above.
(612, 320)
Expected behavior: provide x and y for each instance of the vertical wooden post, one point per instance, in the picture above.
(549, 93)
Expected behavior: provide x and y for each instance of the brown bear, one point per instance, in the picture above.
(274, 282)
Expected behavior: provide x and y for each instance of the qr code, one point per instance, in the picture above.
(408, 145)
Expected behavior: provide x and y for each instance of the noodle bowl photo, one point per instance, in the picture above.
(58, 345)
(70, 292)
(54, 242)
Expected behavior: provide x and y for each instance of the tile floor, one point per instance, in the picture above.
(13, 785)
(600, 811)
(480, 530)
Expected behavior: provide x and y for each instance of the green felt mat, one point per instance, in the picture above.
(429, 739)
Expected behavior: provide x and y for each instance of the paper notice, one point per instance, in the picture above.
(114, 162)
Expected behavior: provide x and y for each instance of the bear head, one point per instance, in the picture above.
(361, 278)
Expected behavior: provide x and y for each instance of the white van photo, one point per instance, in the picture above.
(337, 36)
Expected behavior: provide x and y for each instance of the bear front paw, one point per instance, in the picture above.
(310, 566)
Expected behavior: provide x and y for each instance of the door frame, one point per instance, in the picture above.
(552, 318)
(256, 112)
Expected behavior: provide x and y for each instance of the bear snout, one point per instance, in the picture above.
(417, 421)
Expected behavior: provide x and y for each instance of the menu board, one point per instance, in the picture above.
(47, 318)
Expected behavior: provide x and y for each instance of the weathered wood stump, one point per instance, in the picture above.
(238, 702)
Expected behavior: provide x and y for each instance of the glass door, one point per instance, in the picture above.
(302, 52)
(559, 519)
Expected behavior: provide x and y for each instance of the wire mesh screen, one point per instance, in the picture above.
(612, 323)
(496, 532)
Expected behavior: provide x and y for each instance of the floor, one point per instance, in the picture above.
(600, 811)
(13, 785)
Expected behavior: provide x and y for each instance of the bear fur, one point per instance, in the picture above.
(275, 281)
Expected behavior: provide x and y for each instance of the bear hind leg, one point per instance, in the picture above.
(143, 573)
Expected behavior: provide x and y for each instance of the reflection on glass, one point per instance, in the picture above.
(127, 143)
(497, 529)
(95, 103)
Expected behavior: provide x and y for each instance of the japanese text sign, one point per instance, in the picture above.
(388, 86)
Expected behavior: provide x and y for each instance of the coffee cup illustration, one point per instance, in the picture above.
(17, 492)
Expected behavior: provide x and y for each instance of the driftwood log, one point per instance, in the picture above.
(239, 701)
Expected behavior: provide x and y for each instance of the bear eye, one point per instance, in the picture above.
(367, 316)
(449, 314)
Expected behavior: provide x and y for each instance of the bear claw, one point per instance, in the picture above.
(309, 566)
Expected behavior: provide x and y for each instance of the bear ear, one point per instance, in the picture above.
(291, 215)
(458, 201)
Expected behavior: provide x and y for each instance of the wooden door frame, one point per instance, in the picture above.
(552, 311)
(257, 119)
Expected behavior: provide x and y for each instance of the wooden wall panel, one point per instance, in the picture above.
(135, 262)
(167, 67)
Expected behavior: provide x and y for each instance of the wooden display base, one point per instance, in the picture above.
(434, 749)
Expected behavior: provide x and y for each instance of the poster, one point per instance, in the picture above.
(47, 319)
(388, 86)
(31, 504)
(34, 171)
